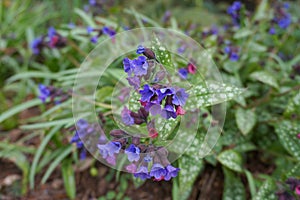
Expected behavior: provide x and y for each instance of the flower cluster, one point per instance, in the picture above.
(281, 17)
(234, 12)
(52, 40)
(105, 30)
(232, 52)
(83, 128)
(189, 69)
(55, 94)
(146, 161)
(294, 186)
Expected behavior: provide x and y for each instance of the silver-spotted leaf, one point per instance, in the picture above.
(233, 187)
(245, 120)
(231, 159)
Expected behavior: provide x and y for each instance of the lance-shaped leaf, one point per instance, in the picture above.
(161, 53)
(233, 187)
(265, 77)
(266, 191)
(245, 120)
(231, 159)
(293, 107)
(287, 132)
(211, 93)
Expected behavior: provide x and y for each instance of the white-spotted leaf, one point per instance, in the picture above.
(233, 186)
(245, 120)
(231, 159)
(287, 132)
(266, 191)
(265, 77)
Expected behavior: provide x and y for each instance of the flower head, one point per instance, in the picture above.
(140, 66)
(131, 168)
(140, 49)
(191, 68)
(44, 92)
(180, 97)
(142, 173)
(163, 92)
(126, 117)
(108, 31)
(183, 73)
(37, 45)
(158, 171)
(147, 93)
(109, 149)
(89, 29)
(171, 172)
(133, 153)
(134, 81)
(51, 32)
(168, 112)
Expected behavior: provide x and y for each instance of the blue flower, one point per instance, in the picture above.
(127, 64)
(44, 92)
(272, 31)
(36, 45)
(142, 173)
(148, 158)
(126, 118)
(183, 73)
(158, 171)
(108, 31)
(133, 153)
(171, 172)
(233, 11)
(146, 93)
(163, 92)
(94, 39)
(234, 56)
(180, 97)
(92, 2)
(82, 124)
(89, 29)
(51, 32)
(140, 66)
(140, 49)
(284, 22)
(168, 112)
(109, 149)
(82, 154)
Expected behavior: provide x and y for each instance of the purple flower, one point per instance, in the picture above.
(44, 92)
(82, 154)
(158, 171)
(89, 29)
(109, 149)
(36, 45)
(131, 168)
(180, 97)
(232, 52)
(142, 173)
(51, 32)
(171, 172)
(272, 31)
(153, 108)
(126, 118)
(134, 81)
(140, 49)
(140, 66)
(234, 56)
(168, 112)
(82, 124)
(133, 153)
(163, 92)
(234, 12)
(183, 73)
(92, 2)
(146, 93)
(111, 160)
(127, 64)
(108, 31)
(94, 39)
(284, 22)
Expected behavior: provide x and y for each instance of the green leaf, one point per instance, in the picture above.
(213, 93)
(265, 77)
(104, 93)
(287, 132)
(294, 172)
(162, 54)
(69, 179)
(251, 183)
(231, 159)
(38, 154)
(85, 17)
(266, 191)
(245, 120)
(241, 33)
(189, 171)
(48, 124)
(261, 10)
(233, 186)
(293, 106)
(56, 162)
(16, 109)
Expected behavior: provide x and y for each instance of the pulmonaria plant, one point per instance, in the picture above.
(282, 18)
(292, 192)
(56, 95)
